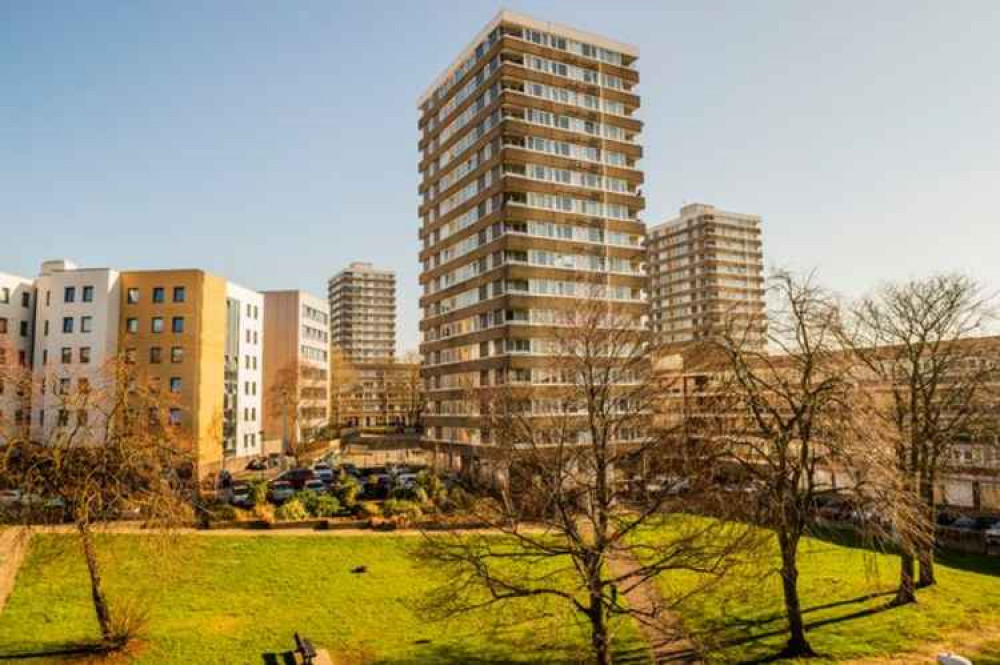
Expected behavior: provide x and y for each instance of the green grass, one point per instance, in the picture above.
(233, 599)
(845, 592)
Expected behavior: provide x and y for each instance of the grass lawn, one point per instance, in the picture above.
(845, 591)
(233, 599)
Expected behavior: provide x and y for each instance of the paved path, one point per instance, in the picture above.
(13, 548)
(664, 633)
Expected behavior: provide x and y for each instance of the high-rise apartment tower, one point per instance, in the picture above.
(706, 271)
(530, 196)
(363, 313)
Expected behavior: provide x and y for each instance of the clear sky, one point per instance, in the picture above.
(274, 142)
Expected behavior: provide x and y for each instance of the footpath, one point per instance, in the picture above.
(13, 548)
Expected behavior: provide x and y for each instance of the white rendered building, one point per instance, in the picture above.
(17, 314)
(244, 367)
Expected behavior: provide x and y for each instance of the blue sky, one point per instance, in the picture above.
(273, 143)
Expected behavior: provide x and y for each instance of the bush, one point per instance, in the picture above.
(308, 499)
(368, 509)
(458, 499)
(292, 511)
(129, 621)
(348, 491)
(324, 506)
(408, 510)
(222, 512)
(258, 492)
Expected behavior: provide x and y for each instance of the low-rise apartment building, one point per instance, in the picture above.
(383, 396)
(17, 319)
(296, 367)
(243, 427)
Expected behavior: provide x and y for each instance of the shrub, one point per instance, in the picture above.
(129, 621)
(258, 492)
(292, 511)
(459, 499)
(324, 506)
(348, 491)
(408, 510)
(368, 509)
(222, 512)
(264, 511)
(420, 496)
(308, 499)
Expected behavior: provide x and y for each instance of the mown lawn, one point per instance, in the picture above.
(845, 591)
(234, 599)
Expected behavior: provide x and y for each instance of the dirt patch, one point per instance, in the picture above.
(966, 642)
(13, 548)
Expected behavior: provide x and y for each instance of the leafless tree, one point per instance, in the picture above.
(410, 388)
(344, 383)
(917, 339)
(298, 397)
(797, 415)
(110, 448)
(566, 436)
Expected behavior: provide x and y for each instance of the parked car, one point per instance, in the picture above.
(407, 481)
(280, 491)
(351, 469)
(324, 472)
(297, 477)
(964, 523)
(10, 498)
(241, 495)
(315, 485)
(256, 464)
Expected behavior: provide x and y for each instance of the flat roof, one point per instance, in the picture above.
(522, 19)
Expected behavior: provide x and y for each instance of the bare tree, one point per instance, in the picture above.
(344, 383)
(801, 415)
(298, 398)
(112, 449)
(917, 339)
(565, 434)
(410, 389)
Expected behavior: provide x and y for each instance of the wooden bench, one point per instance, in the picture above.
(305, 649)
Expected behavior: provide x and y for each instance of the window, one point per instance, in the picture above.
(3, 326)
(64, 386)
(25, 299)
(46, 327)
(24, 328)
(84, 355)
(81, 417)
(67, 324)
(177, 324)
(88, 294)
(175, 384)
(86, 324)
(63, 419)
(45, 356)
(83, 385)
(175, 417)
(69, 294)
(155, 355)
(48, 298)
(4, 295)
(132, 325)
(130, 356)
(157, 324)
(176, 354)
(67, 355)
(133, 296)
(179, 294)
(158, 293)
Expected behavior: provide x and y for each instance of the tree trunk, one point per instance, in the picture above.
(101, 607)
(599, 631)
(798, 645)
(925, 554)
(906, 593)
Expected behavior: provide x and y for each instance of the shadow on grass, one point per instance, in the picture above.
(67, 652)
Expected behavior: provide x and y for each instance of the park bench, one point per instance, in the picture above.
(305, 649)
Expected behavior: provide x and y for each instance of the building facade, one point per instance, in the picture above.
(17, 320)
(243, 427)
(296, 367)
(530, 201)
(76, 337)
(363, 313)
(706, 272)
(383, 396)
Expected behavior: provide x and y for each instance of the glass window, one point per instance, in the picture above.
(175, 384)
(86, 324)
(25, 299)
(155, 355)
(88, 294)
(177, 324)
(130, 355)
(157, 324)
(158, 294)
(69, 294)
(4, 295)
(67, 324)
(175, 417)
(176, 354)
(67, 355)
(133, 296)
(179, 294)
(132, 325)
(3, 326)
(84, 354)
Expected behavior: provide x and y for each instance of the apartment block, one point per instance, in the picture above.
(386, 395)
(243, 410)
(76, 337)
(17, 320)
(363, 313)
(707, 273)
(296, 366)
(530, 200)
